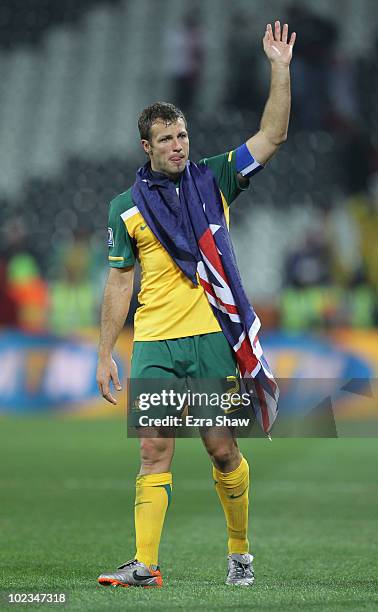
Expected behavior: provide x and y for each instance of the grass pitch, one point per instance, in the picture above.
(67, 489)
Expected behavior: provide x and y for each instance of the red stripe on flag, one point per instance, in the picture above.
(246, 359)
(209, 249)
(209, 289)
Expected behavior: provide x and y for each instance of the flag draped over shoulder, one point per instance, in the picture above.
(192, 228)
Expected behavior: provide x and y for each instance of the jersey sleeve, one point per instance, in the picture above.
(226, 175)
(121, 254)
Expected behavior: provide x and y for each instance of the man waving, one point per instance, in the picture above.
(194, 319)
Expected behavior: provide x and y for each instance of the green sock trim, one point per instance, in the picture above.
(168, 490)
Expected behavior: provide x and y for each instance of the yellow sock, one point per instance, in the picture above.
(232, 489)
(153, 494)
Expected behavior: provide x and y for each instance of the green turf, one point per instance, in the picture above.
(67, 491)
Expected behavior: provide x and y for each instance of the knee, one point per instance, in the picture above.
(154, 452)
(225, 457)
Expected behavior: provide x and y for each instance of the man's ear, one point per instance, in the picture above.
(146, 146)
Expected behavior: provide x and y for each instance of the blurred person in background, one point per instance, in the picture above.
(239, 95)
(29, 292)
(74, 297)
(25, 291)
(310, 263)
(331, 276)
(307, 299)
(8, 303)
(364, 210)
(312, 69)
(185, 49)
(173, 218)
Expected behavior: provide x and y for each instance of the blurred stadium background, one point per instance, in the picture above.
(75, 75)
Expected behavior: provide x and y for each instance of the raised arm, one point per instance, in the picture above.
(115, 306)
(275, 118)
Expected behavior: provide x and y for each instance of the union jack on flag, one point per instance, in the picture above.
(238, 321)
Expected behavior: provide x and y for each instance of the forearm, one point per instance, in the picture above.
(275, 119)
(115, 307)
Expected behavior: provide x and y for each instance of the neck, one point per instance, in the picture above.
(172, 177)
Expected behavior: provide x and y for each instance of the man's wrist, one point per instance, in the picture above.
(279, 67)
(104, 352)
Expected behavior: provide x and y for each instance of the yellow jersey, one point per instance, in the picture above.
(170, 305)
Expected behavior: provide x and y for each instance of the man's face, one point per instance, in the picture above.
(168, 147)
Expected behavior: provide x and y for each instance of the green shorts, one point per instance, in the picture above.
(203, 364)
(203, 356)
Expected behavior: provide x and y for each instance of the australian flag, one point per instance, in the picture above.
(194, 232)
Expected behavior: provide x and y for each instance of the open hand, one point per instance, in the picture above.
(276, 47)
(107, 371)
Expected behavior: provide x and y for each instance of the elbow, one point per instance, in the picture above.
(275, 138)
(279, 139)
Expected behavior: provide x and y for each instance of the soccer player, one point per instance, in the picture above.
(183, 329)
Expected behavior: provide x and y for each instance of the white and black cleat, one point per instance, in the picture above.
(240, 570)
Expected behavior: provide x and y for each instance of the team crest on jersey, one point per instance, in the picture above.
(110, 237)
